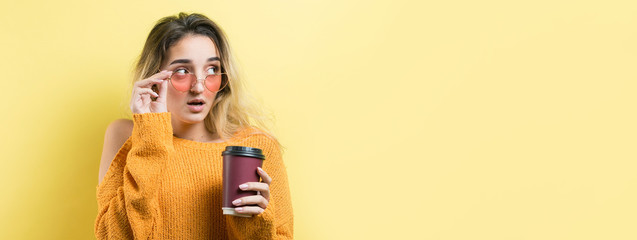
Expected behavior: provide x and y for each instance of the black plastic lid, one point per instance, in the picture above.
(244, 151)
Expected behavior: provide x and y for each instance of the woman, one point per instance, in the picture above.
(161, 173)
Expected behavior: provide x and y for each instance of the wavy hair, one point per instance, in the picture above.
(233, 108)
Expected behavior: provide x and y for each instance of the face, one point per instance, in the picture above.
(192, 54)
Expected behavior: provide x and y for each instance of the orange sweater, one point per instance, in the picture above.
(163, 187)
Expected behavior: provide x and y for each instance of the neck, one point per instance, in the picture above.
(193, 131)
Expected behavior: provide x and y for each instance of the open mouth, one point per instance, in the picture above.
(196, 102)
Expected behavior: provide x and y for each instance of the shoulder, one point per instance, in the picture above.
(120, 128)
(117, 133)
(258, 138)
(115, 136)
(254, 134)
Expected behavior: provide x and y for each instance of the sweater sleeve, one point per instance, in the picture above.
(277, 221)
(127, 198)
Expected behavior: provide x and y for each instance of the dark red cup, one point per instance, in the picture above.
(239, 166)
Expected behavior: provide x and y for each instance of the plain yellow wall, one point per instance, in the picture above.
(402, 119)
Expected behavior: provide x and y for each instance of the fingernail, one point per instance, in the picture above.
(260, 170)
(238, 209)
(243, 186)
(236, 202)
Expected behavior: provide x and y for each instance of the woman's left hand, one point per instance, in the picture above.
(261, 199)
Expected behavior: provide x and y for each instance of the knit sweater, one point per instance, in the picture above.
(160, 186)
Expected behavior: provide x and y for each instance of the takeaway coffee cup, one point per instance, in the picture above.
(239, 166)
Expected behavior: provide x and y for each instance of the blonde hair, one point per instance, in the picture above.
(233, 108)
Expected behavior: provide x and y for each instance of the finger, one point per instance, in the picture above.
(146, 91)
(147, 83)
(250, 210)
(264, 176)
(255, 186)
(156, 78)
(163, 75)
(251, 200)
(263, 188)
(267, 179)
(145, 100)
(163, 91)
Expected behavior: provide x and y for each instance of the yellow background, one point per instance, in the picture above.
(402, 119)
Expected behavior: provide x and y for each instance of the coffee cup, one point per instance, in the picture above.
(239, 166)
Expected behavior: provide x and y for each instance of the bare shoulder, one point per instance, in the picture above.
(115, 136)
(120, 129)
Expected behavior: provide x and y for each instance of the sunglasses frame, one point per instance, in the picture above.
(204, 81)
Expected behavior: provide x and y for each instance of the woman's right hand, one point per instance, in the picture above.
(141, 101)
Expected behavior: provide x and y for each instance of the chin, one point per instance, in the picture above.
(192, 117)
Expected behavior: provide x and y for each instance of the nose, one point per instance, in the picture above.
(198, 87)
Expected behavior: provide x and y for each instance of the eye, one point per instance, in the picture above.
(181, 70)
(212, 70)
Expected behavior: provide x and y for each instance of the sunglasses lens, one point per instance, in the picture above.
(181, 81)
(215, 83)
(184, 81)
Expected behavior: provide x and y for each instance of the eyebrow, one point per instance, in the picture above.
(188, 60)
